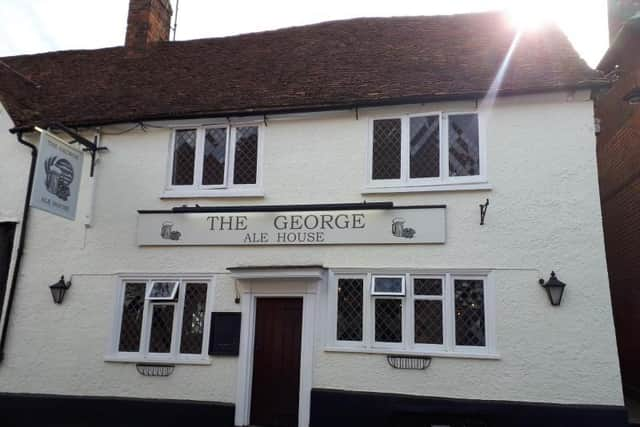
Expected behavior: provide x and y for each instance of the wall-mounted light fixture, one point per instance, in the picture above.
(58, 290)
(554, 288)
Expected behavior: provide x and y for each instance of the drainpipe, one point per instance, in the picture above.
(23, 233)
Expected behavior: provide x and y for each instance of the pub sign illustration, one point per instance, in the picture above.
(57, 179)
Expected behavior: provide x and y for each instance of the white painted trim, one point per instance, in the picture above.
(427, 188)
(444, 354)
(217, 193)
(253, 288)
(12, 266)
(278, 273)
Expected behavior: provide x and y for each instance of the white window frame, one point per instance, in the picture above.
(228, 188)
(444, 181)
(114, 355)
(390, 294)
(445, 312)
(448, 348)
(176, 286)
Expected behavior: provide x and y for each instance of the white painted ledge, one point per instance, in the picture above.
(428, 188)
(395, 352)
(204, 194)
(169, 361)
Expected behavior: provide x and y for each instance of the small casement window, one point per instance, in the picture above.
(163, 318)
(387, 285)
(214, 157)
(412, 312)
(429, 149)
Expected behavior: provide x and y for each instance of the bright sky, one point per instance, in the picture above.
(30, 26)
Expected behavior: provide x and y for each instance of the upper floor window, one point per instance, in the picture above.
(426, 149)
(211, 159)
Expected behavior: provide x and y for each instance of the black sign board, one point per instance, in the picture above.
(224, 339)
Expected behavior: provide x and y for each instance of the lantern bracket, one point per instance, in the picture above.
(483, 211)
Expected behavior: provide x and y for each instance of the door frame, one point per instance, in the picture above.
(295, 282)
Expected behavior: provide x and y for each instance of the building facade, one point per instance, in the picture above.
(618, 162)
(316, 264)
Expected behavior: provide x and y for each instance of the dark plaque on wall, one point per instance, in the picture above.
(225, 334)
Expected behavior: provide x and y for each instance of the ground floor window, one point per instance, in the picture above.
(162, 318)
(444, 312)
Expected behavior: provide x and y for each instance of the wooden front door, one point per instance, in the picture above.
(275, 389)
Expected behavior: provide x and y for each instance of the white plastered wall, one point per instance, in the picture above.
(544, 214)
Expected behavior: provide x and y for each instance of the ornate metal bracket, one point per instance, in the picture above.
(76, 137)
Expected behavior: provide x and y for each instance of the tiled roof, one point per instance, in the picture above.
(340, 64)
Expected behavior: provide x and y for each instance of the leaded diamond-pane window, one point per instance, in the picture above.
(386, 149)
(427, 286)
(350, 293)
(213, 159)
(184, 155)
(132, 310)
(464, 151)
(424, 150)
(246, 155)
(193, 318)
(161, 328)
(428, 321)
(388, 320)
(151, 308)
(469, 312)
(215, 153)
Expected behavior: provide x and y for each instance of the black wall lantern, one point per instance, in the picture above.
(554, 288)
(58, 290)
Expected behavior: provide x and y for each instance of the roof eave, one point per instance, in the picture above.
(351, 105)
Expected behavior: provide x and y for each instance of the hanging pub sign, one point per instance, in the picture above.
(400, 225)
(56, 181)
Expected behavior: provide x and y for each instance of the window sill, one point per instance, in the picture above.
(217, 193)
(427, 188)
(170, 361)
(396, 352)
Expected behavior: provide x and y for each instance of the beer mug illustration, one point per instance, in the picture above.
(167, 233)
(398, 229)
(397, 225)
(59, 176)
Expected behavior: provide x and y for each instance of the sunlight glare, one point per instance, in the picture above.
(530, 16)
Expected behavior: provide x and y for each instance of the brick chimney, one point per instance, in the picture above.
(149, 21)
(619, 12)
